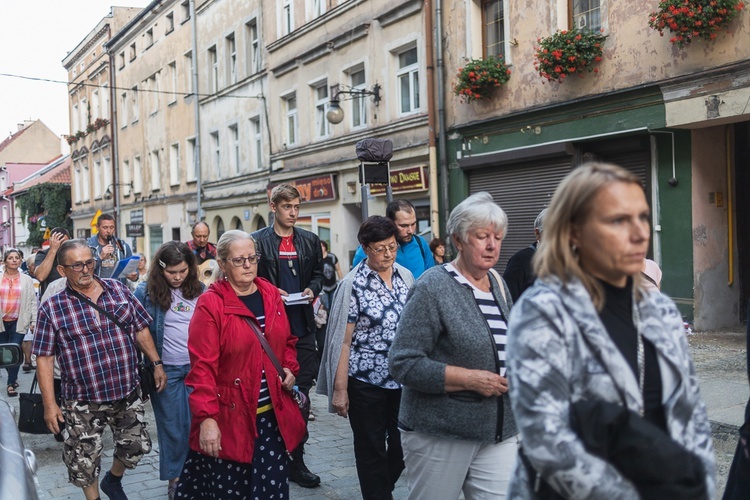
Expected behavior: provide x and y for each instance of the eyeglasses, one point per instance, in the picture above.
(381, 250)
(78, 266)
(240, 261)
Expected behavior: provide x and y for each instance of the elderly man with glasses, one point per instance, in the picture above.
(95, 327)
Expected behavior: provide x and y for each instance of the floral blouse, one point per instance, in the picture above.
(375, 310)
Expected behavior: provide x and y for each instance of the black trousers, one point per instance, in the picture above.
(307, 358)
(373, 415)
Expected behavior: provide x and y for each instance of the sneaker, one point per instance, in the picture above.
(300, 474)
(112, 488)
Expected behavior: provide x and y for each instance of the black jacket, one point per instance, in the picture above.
(310, 259)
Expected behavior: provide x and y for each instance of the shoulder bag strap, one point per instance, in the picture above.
(500, 283)
(98, 308)
(266, 347)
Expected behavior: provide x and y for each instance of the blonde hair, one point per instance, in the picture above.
(571, 205)
(222, 250)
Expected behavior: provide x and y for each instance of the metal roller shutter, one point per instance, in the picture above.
(522, 191)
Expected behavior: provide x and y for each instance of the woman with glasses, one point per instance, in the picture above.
(170, 295)
(354, 373)
(457, 428)
(19, 307)
(244, 419)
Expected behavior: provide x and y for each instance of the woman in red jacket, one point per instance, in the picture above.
(244, 420)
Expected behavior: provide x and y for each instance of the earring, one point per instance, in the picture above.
(574, 249)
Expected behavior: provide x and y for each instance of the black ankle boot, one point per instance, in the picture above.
(298, 471)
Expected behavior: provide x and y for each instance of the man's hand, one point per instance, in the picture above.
(309, 294)
(132, 276)
(53, 417)
(160, 377)
(106, 250)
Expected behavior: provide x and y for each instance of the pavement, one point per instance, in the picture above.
(720, 364)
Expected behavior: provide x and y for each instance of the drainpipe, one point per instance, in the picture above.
(443, 152)
(429, 57)
(197, 109)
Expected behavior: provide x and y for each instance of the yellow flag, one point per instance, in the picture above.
(47, 234)
(94, 221)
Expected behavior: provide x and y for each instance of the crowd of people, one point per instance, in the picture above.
(567, 377)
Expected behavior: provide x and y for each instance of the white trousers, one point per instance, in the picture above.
(440, 468)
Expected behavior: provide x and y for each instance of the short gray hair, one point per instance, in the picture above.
(478, 210)
(222, 249)
(539, 221)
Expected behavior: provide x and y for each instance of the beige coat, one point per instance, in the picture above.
(29, 307)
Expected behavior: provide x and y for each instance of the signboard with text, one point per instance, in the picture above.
(405, 180)
(311, 189)
(132, 230)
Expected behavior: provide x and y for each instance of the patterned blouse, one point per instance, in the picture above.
(375, 310)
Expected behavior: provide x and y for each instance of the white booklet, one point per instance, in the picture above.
(295, 299)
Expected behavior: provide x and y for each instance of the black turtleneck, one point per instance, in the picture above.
(617, 316)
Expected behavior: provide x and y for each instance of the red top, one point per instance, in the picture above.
(226, 361)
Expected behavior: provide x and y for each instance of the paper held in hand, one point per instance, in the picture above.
(125, 267)
(295, 299)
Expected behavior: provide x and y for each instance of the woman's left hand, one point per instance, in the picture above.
(288, 383)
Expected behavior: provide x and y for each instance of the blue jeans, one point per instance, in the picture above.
(172, 413)
(9, 336)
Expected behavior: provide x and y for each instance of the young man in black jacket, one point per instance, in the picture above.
(291, 258)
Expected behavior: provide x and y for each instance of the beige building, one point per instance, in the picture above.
(154, 124)
(91, 133)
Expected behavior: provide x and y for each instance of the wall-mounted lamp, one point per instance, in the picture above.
(108, 193)
(335, 114)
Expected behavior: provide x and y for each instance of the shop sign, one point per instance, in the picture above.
(136, 215)
(311, 189)
(132, 230)
(405, 180)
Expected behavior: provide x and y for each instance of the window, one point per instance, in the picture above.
(359, 108)
(253, 47)
(97, 179)
(121, 60)
(105, 101)
(234, 136)
(216, 153)
(86, 183)
(287, 17)
(132, 51)
(290, 103)
(185, 10)
(191, 167)
(77, 179)
(321, 103)
(134, 99)
(213, 77)
(149, 38)
(189, 66)
(493, 24)
(316, 8)
(408, 81)
(170, 23)
(137, 175)
(124, 109)
(585, 14)
(154, 96)
(85, 117)
(107, 171)
(174, 165)
(257, 144)
(75, 116)
(172, 67)
(231, 60)
(155, 171)
(125, 177)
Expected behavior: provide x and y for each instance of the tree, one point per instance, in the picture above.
(48, 201)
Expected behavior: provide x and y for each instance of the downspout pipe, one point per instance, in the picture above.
(430, 59)
(197, 113)
(442, 136)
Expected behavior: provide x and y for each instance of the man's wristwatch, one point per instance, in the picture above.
(157, 363)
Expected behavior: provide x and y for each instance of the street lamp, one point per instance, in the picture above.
(335, 114)
(108, 193)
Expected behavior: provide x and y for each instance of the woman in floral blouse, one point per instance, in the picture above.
(354, 371)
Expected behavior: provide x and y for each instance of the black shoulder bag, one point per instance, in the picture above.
(145, 369)
(31, 418)
(299, 397)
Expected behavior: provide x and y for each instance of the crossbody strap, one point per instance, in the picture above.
(266, 347)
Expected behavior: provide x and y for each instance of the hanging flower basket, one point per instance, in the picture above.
(71, 139)
(688, 19)
(476, 80)
(569, 52)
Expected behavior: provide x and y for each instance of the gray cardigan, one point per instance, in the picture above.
(442, 325)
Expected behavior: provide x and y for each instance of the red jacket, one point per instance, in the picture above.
(226, 359)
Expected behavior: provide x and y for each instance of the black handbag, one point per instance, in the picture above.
(302, 401)
(31, 415)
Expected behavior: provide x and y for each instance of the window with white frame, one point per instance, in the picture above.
(75, 117)
(231, 59)
(216, 154)
(85, 113)
(408, 80)
(189, 66)
(359, 103)
(155, 170)
(121, 60)
(105, 101)
(320, 92)
(185, 10)
(174, 164)
(316, 8)
(493, 24)
(290, 105)
(125, 177)
(77, 179)
(257, 142)
(172, 67)
(86, 181)
(585, 14)
(95, 105)
(123, 109)
(107, 171)
(190, 166)
(132, 51)
(213, 77)
(149, 38)
(154, 85)
(134, 103)
(234, 137)
(137, 175)
(170, 23)
(97, 179)
(253, 47)
(287, 17)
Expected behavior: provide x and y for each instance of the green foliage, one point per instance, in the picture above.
(475, 80)
(48, 200)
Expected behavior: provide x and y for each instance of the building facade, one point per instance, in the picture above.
(677, 117)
